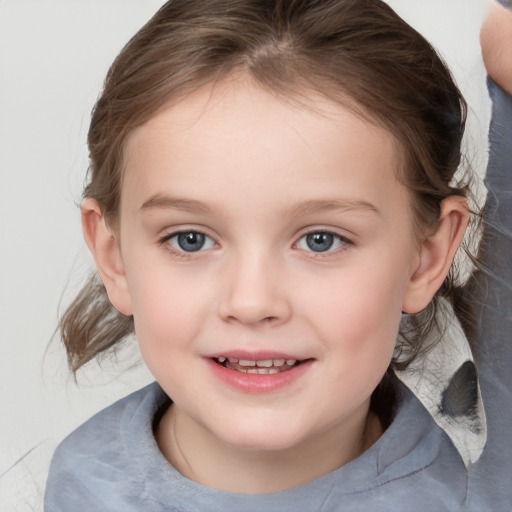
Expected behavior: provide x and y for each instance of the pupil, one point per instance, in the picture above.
(191, 242)
(320, 242)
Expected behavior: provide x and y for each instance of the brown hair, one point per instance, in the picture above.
(356, 52)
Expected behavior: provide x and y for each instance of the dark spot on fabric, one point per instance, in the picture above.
(460, 398)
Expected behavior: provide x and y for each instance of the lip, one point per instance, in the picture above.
(253, 382)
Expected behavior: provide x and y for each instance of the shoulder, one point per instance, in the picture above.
(92, 459)
(104, 428)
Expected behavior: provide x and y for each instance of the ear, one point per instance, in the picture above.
(105, 249)
(436, 255)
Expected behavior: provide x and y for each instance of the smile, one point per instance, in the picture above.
(263, 371)
(261, 367)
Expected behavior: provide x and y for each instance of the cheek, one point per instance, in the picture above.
(358, 313)
(167, 308)
(359, 329)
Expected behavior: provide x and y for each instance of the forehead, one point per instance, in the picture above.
(236, 136)
(244, 95)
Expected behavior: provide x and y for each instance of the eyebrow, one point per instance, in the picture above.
(317, 206)
(307, 207)
(175, 203)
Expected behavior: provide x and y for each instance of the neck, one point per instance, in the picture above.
(202, 458)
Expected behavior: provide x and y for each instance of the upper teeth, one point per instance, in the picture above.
(266, 363)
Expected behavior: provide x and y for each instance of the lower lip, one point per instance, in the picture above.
(258, 383)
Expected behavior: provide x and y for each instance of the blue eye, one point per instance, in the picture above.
(321, 241)
(190, 241)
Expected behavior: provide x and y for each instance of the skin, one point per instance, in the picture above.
(496, 42)
(255, 175)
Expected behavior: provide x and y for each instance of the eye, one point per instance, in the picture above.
(321, 241)
(189, 241)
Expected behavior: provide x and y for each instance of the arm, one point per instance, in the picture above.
(491, 289)
(496, 41)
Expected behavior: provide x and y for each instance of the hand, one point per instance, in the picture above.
(496, 42)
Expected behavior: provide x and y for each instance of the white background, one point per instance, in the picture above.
(53, 57)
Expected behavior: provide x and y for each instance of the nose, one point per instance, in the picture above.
(254, 292)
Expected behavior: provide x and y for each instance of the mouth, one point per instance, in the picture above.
(258, 372)
(261, 367)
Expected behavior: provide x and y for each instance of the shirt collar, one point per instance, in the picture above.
(445, 381)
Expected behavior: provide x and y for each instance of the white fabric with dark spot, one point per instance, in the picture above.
(446, 383)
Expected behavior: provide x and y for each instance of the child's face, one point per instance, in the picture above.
(256, 230)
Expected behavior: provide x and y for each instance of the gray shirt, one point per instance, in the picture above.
(113, 463)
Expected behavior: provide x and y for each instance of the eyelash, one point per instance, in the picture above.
(182, 253)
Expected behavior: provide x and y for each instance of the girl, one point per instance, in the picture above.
(272, 203)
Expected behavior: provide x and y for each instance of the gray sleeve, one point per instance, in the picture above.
(491, 477)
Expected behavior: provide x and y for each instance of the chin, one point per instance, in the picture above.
(262, 440)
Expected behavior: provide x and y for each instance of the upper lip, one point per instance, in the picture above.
(259, 355)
